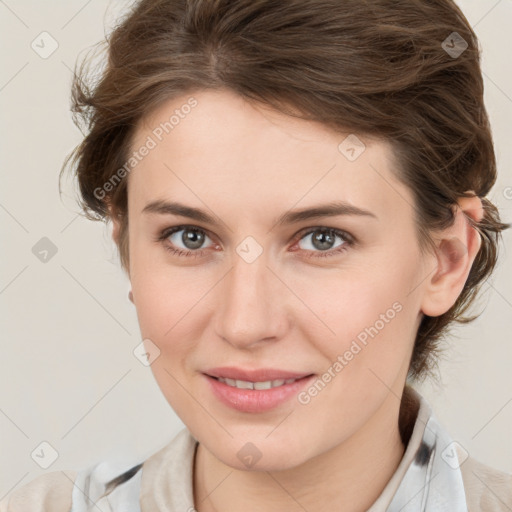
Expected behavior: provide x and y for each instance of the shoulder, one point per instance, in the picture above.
(50, 491)
(487, 489)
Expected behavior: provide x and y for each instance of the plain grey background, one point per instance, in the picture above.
(69, 375)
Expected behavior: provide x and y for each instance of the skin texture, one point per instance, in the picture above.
(246, 165)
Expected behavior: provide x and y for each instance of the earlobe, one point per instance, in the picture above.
(456, 249)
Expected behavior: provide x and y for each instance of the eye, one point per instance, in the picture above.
(192, 238)
(322, 242)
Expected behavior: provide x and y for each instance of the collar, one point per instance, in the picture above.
(428, 478)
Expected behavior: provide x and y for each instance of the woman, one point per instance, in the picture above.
(298, 193)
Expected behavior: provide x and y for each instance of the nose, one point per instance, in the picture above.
(253, 304)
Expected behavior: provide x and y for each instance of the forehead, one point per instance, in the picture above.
(215, 145)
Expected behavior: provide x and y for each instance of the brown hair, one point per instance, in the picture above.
(380, 68)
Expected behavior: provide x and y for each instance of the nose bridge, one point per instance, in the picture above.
(251, 305)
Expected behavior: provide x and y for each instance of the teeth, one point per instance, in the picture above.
(244, 384)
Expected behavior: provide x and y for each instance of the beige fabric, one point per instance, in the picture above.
(174, 462)
(487, 489)
(45, 493)
(167, 479)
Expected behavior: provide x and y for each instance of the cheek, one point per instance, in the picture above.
(165, 304)
(172, 305)
(165, 300)
(369, 318)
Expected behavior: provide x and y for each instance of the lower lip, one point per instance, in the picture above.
(256, 400)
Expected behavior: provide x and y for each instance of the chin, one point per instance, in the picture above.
(260, 455)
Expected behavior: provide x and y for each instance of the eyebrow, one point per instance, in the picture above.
(291, 217)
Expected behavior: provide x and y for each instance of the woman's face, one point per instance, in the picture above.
(333, 296)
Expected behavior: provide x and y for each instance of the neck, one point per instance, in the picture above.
(349, 477)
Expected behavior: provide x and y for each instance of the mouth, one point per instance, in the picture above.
(270, 390)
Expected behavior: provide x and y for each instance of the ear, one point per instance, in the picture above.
(115, 223)
(456, 249)
(116, 227)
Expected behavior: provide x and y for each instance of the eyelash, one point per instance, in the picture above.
(348, 239)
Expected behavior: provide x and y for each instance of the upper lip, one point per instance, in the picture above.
(256, 375)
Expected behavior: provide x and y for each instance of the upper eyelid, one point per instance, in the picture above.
(326, 228)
